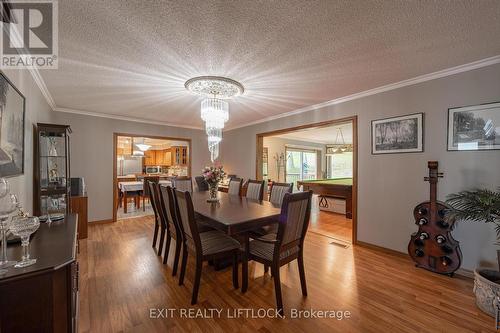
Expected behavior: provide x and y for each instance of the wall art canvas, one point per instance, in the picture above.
(474, 127)
(12, 104)
(404, 134)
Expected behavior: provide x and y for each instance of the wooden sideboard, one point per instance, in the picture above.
(43, 297)
(79, 206)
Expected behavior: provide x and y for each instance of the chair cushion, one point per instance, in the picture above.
(268, 229)
(266, 250)
(213, 242)
(204, 227)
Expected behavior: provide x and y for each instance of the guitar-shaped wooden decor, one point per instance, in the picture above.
(433, 247)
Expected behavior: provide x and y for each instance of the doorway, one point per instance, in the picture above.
(138, 158)
(321, 157)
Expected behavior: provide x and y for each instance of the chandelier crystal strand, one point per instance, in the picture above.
(215, 113)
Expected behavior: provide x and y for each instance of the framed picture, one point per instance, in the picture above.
(404, 134)
(474, 127)
(12, 109)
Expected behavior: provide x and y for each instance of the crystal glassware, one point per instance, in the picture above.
(4, 187)
(48, 204)
(8, 205)
(23, 227)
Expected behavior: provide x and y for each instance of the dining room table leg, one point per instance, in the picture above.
(244, 263)
(125, 202)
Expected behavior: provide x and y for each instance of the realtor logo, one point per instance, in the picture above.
(29, 34)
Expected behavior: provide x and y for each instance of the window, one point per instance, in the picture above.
(300, 165)
(339, 165)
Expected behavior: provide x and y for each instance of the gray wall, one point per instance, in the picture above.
(37, 110)
(391, 185)
(92, 153)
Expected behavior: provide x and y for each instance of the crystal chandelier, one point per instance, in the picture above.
(214, 108)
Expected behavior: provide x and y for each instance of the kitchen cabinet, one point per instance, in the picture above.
(167, 157)
(149, 157)
(158, 157)
(124, 151)
(180, 156)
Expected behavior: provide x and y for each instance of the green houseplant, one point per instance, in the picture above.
(480, 206)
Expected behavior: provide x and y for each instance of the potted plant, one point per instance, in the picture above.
(213, 175)
(480, 206)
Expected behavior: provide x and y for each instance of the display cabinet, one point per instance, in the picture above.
(51, 190)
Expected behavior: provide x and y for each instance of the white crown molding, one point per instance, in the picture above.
(419, 79)
(14, 32)
(35, 73)
(125, 118)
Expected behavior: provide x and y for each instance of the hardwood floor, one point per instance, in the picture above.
(333, 225)
(122, 278)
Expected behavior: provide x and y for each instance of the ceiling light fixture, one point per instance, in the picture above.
(142, 146)
(339, 148)
(214, 108)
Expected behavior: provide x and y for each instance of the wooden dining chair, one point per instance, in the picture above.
(288, 244)
(145, 192)
(255, 189)
(167, 203)
(158, 223)
(201, 183)
(235, 186)
(210, 245)
(183, 184)
(278, 191)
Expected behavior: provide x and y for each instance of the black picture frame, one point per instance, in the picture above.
(420, 134)
(475, 143)
(12, 125)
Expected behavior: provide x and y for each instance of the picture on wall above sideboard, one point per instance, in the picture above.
(474, 127)
(404, 134)
(11, 129)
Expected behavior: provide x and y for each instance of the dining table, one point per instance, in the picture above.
(135, 186)
(236, 216)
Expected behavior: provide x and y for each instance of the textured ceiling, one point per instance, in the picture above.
(131, 58)
(324, 135)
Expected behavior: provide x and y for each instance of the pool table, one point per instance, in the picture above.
(334, 188)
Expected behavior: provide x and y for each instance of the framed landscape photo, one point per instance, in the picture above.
(12, 105)
(404, 134)
(474, 127)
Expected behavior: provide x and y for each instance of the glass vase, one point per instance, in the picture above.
(212, 192)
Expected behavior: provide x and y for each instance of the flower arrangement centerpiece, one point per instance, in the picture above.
(213, 175)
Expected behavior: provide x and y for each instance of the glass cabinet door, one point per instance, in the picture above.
(51, 172)
(52, 160)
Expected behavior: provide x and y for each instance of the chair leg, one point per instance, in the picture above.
(183, 265)
(235, 270)
(302, 273)
(244, 265)
(266, 268)
(155, 234)
(277, 288)
(178, 245)
(197, 279)
(167, 248)
(143, 203)
(162, 238)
